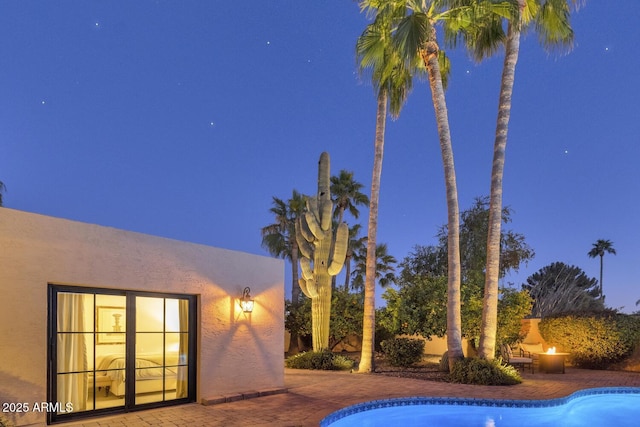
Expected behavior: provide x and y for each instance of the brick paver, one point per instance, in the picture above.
(312, 395)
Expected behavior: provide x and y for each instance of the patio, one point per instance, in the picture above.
(312, 395)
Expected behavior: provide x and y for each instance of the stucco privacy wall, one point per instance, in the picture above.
(237, 352)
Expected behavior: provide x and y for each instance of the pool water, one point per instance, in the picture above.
(616, 406)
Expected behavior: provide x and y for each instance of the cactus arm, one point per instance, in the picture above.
(312, 204)
(325, 215)
(302, 227)
(308, 287)
(314, 225)
(306, 248)
(303, 287)
(339, 249)
(305, 266)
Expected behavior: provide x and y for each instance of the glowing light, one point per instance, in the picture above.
(246, 302)
(551, 350)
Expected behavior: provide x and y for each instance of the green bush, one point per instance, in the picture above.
(403, 351)
(595, 340)
(484, 372)
(322, 360)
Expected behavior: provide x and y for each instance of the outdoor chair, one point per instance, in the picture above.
(519, 362)
(532, 351)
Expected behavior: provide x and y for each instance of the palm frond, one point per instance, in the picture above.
(552, 24)
(411, 35)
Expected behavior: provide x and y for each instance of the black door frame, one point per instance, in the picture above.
(130, 405)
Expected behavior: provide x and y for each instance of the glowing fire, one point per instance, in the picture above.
(551, 350)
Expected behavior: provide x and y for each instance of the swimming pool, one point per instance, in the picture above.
(612, 406)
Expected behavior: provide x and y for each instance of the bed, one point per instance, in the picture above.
(110, 373)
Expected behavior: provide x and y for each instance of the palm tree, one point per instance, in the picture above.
(279, 238)
(551, 21)
(346, 195)
(355, 247)
(2, 190)
(415, 37)
(385, 270)
(600, 247)
(393, 83)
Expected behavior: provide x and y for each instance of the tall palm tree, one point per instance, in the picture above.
(415, 37)
(393, 83)
(550, 18)
(600, 247)
(2, 190)
(347, 195)
(385, 270)
(279, 238)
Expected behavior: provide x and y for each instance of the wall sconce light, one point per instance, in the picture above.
(246, 302)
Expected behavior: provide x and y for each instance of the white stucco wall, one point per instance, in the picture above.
(236, 352)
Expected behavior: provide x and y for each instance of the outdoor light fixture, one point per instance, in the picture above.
(246, 302)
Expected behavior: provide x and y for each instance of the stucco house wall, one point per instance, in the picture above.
(237, 352)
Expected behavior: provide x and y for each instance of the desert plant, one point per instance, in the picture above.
(322, 253)
(596, 340)
(321, 360)
(484, 372)
(403, 351)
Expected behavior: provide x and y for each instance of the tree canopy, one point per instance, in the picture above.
(432, 260)
(559, 288)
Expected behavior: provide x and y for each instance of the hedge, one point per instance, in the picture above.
(594, 340)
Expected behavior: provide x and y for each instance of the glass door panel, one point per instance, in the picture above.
(110, 318)
(149, 314)
(150, 357)
(74, 350)
(161, 348)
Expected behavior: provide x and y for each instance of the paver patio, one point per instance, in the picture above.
(312, 395)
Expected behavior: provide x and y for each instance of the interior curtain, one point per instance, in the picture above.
(183, 350)
(72, 351)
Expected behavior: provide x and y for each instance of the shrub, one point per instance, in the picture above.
(403, 351)
(484, 372)
(595, 340)
(322, 360)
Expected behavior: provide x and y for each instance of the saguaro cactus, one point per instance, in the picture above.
(322, 254)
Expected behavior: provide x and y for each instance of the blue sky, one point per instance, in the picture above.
(183, 118)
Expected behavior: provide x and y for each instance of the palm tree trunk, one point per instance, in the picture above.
(295, 286)
(367, 364)
(489, 326)
(347, 271)
(295, 293)
(454, 320)
(601, 266)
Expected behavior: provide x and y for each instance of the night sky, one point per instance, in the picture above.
(183, 118)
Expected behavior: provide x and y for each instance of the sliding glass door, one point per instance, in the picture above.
(102, 338)
(162, 349)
